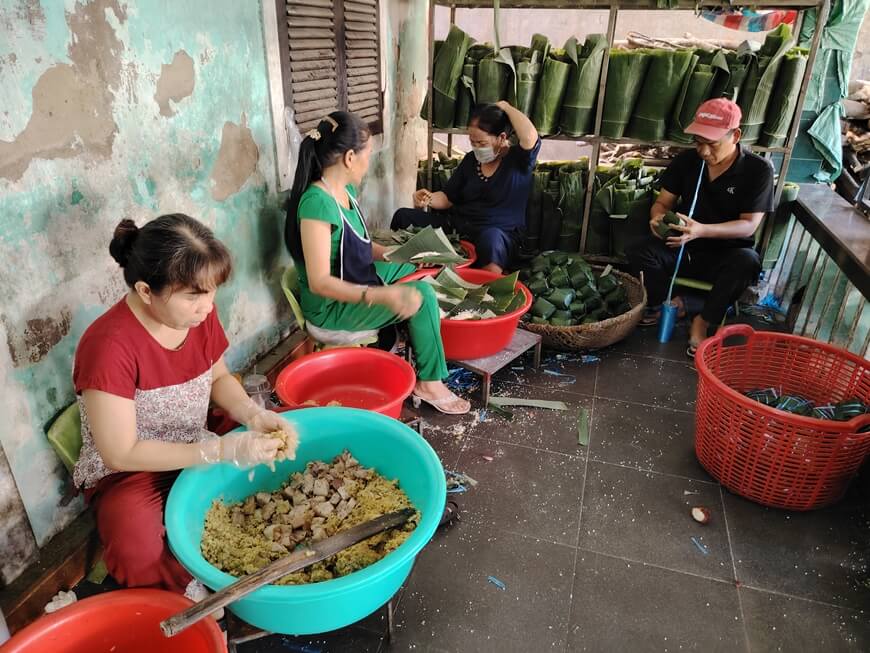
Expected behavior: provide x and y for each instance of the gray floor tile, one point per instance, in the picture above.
(650, 381)
(645, 342)
(780, 623)
(446, 433)
(822, 555)
(646, 516)
(541, 428)
(522, 490)
(560, 371)
(628, 606)
(645, 437)
(450, 605)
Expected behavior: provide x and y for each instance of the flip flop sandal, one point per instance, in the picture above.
(692, 349)
(450, 514)
(650, 319)
(440, 404)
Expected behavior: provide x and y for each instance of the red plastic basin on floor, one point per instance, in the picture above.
(469, 339)
(354, 377)
(125, 621)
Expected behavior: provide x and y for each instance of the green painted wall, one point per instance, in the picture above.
(113, 110)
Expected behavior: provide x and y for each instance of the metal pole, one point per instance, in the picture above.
(827, 303)
(859, 309)
(450, 135)
(596, 143)
(431, 100)
(840, 313)
(809, 305)
(789, 277)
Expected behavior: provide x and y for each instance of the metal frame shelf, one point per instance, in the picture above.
(595, 139)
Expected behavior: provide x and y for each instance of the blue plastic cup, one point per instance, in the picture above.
(667, 321)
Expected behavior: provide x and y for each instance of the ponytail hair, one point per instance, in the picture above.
(334, 136)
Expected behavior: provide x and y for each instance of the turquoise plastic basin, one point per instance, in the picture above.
(393, 449)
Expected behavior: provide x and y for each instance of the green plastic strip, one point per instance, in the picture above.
(583, 428)
(531, 403)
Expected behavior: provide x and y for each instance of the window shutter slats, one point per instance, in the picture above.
(333, 56)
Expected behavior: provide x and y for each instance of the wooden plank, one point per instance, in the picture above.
(371, 94)
(314, 115)
(292, 5)
(321, 63)
(323, 104)
(359, 7)
(358, 106)
(319, 94)
(297, 35)
(366, 79)
(296, 22)
(355, 90)
(311, 55)
(359, 26)
(310, 44)
(313, 85)
(363, 62)
(326, 72)
(357, 17)
(369, 44)
(314, 12)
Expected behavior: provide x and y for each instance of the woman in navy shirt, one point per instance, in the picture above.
(488, 191)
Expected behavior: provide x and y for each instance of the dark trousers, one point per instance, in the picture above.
(493, 245)
(731, 271)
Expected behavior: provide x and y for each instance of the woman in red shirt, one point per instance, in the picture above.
(144, 374)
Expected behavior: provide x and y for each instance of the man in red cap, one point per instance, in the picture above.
(735, 191)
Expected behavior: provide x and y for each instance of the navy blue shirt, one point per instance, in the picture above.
(499, 201)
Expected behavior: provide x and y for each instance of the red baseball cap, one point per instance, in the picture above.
(714, 119)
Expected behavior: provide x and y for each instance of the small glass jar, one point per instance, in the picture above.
(259, 389)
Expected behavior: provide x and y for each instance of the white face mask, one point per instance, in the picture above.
(484, 154)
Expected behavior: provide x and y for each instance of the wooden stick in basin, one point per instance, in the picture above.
(294, 562)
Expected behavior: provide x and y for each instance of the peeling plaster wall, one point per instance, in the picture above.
(114, 109)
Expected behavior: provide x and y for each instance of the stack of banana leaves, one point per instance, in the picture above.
(661, 88)
(783, 102)
(422, 246)
(651, 94)
(569, 292)
(625, 75)
(627, 198)
(757, 92)
(554, 213)
(442, 168)
(459, 299)
(624, 194)
(698, 84)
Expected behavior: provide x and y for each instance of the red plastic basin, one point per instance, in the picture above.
(469, 339)
(355, 377)
(125, 621)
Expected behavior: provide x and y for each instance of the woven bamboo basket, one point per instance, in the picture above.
(598, 334)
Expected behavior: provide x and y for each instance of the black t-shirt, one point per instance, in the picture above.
(746, 187)
(499, 201)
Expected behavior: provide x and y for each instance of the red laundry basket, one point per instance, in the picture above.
(767, 455)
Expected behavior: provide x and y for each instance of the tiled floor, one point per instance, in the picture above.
(594, 544)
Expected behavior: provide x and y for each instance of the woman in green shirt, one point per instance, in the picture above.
(342, 287)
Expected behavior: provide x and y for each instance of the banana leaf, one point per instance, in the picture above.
(540, 180)
(697, 87)
(661, 87)
(427, 246)
(582, 91)
(730, 84)
(467, 94)
(634, 225)
(783, 102)
(551, 219)
(569, 239)
(551, 91)
(496, 78)
(625, 74)
(760, 80)
(447, 69)
(571, 193)
(540, 43)
(528, 76)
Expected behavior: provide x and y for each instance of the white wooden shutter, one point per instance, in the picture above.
(311, 28)
(362, 50)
